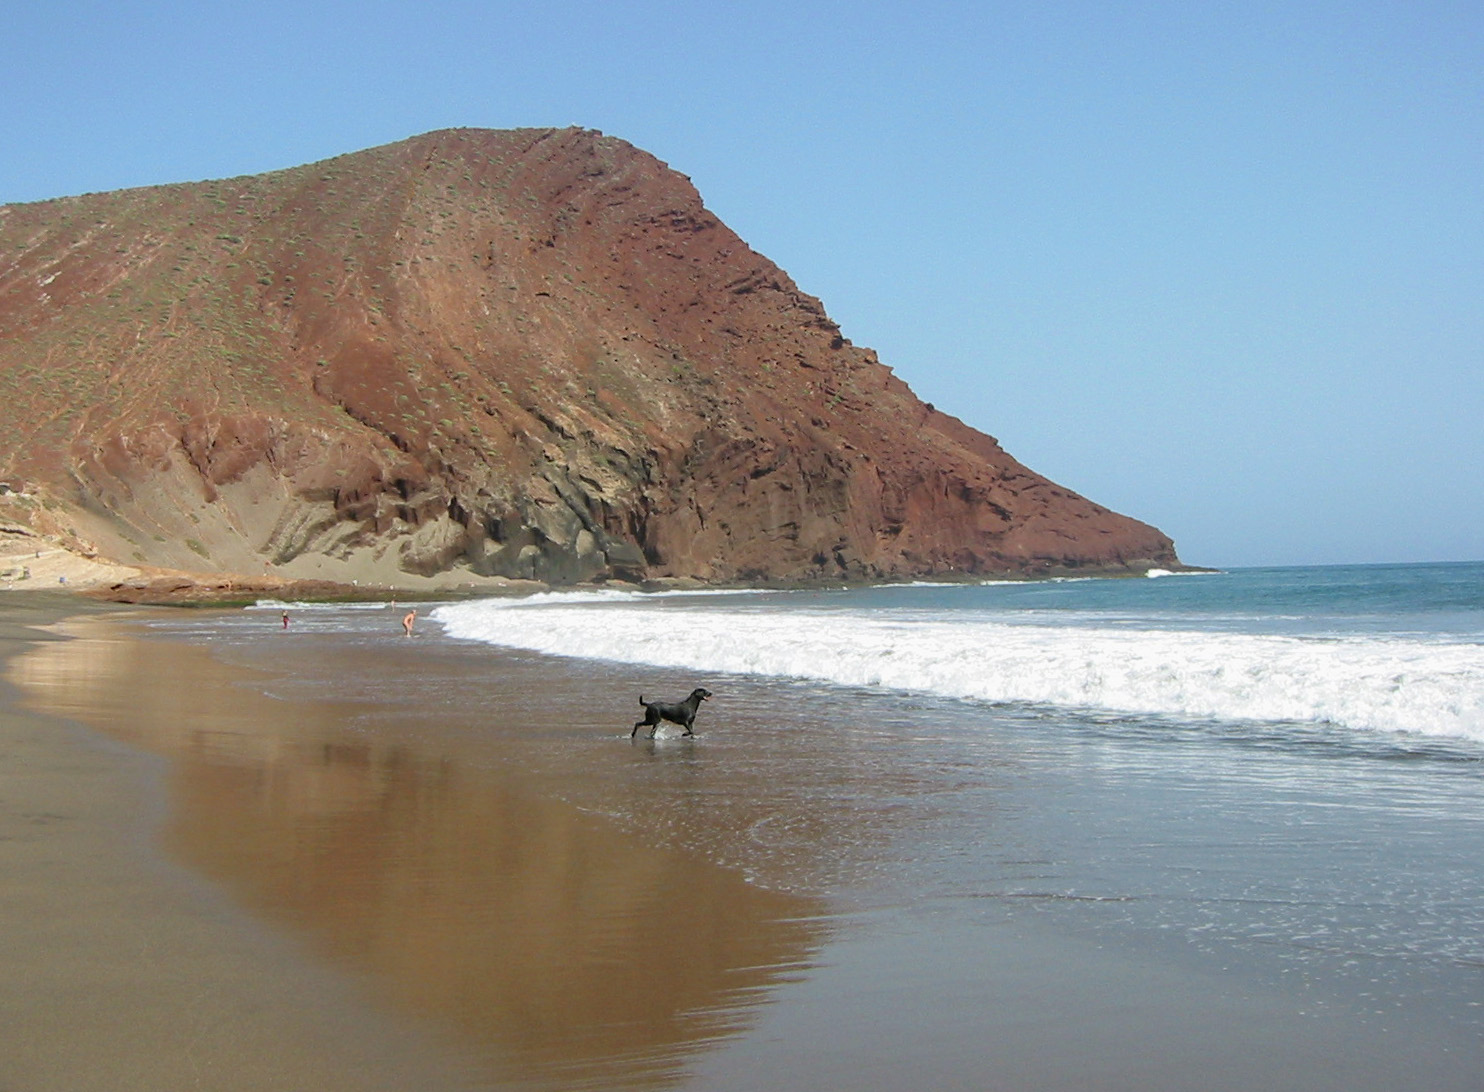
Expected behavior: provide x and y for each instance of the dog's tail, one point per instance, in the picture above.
(642, 701)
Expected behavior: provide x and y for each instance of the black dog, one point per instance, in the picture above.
(682, 713)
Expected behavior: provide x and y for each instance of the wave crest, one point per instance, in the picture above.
(1387, 684)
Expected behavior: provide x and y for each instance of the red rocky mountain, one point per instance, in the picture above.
(528, 353)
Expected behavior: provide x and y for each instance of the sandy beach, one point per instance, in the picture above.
(311, 861)
(208, 889)
(125, 971)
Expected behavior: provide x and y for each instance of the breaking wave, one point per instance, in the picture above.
(1393, 683)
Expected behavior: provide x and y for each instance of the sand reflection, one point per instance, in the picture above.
(563, 949)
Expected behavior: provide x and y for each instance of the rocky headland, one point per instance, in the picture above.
(479, 358)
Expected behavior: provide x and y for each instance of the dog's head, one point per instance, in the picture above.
(700, 693)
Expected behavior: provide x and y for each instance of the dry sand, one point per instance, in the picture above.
(33, 561)
(29, 566)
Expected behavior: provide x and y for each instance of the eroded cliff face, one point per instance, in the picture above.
(530, 353)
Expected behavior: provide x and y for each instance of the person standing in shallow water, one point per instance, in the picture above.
(407, 620)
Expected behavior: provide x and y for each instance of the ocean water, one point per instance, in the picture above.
(1279, 769)
(1392, 654)
(1265, 784)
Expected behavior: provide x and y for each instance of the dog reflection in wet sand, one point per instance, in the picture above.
(682, 713)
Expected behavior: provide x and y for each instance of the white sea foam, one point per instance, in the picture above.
(1388, 683)
(591, 596)
(311, 605)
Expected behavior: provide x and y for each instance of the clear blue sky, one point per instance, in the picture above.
(1216, 265)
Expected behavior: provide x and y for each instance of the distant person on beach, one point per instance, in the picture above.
(407, 620)
(285, 619)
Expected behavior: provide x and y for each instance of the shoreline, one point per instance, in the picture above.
(68, 575)
(335, 859)
(261, 927)
(126, 972)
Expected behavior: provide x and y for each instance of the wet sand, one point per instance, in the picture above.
(125, 971)
(318, 865)
(374, 916)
